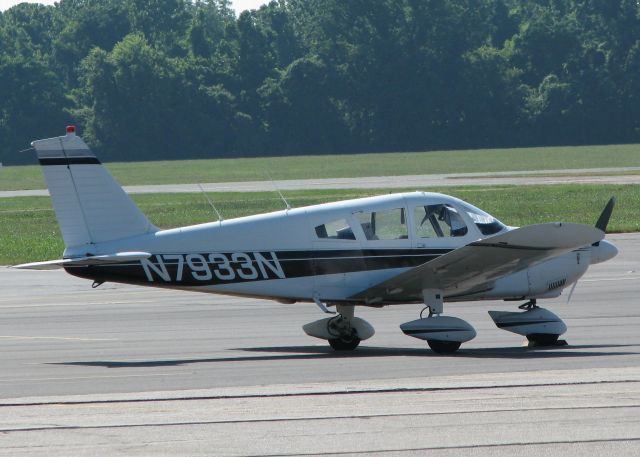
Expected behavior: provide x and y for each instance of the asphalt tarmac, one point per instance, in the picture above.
(121, 370)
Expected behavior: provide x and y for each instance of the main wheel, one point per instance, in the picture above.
(339, 344)
(444, 347)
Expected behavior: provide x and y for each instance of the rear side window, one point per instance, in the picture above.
(335, 230)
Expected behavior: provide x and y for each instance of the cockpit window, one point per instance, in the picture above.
(335, 230)
(487, 224)
(388, 224)
(437, 221)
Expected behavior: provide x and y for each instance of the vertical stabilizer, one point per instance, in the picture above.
(90, 205)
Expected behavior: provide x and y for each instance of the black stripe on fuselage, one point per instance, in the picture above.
(69, 161)
(293, 264)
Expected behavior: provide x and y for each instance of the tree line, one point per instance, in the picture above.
(159, 79)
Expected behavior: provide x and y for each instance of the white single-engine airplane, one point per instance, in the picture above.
(415, 247)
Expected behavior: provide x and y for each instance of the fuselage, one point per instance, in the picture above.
(328, 252)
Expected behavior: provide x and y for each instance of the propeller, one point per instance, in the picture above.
(571, 291)
(603, 220)
(601, 224)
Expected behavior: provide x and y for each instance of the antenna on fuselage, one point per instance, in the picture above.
(220, 218)
(278, 190)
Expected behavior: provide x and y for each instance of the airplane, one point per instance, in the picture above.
(422, 248)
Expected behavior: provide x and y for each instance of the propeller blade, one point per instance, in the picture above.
(603, 220)
(571, 291)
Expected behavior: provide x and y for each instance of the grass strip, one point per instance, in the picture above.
(347, 165)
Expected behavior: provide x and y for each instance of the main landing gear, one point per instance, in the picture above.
(444, 334)
(344, 331)
(540, 326)
(346, 337)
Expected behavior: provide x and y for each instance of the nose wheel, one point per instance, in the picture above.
(544, 339)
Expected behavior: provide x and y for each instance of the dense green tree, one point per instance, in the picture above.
(28, 30)
(142, 103)
(207, 28)
(32, 98)
(300, 112)
(493, 99)
(91, 23)
(162, 22)
(152, 79)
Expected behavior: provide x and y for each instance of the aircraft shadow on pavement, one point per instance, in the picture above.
(322, 352)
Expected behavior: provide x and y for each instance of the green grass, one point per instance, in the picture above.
(350, 165)
(29, 231)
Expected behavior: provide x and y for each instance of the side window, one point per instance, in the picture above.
(437, 221)
(426, 227)
(335, 230)
(389, 224)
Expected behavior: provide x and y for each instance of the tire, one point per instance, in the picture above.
(543, 339)
(443, 347)
(344, 345)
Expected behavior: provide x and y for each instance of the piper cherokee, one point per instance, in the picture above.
(424, 248)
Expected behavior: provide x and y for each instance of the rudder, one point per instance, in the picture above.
(90, 206)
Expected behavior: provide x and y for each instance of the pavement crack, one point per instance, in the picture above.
(307, 418)
(461, 448)
(320, 394)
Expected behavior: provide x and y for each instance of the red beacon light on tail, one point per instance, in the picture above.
(71, 129)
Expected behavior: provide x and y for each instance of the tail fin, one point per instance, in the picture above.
(90, 205)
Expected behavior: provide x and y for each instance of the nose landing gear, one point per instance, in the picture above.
(539, 325)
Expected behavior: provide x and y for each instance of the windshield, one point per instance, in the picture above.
(487, 224)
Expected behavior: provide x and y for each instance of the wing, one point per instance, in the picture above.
(85, 261)
(475, 266)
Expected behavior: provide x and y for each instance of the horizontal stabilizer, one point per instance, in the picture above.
(480, 263)
(120, 257)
